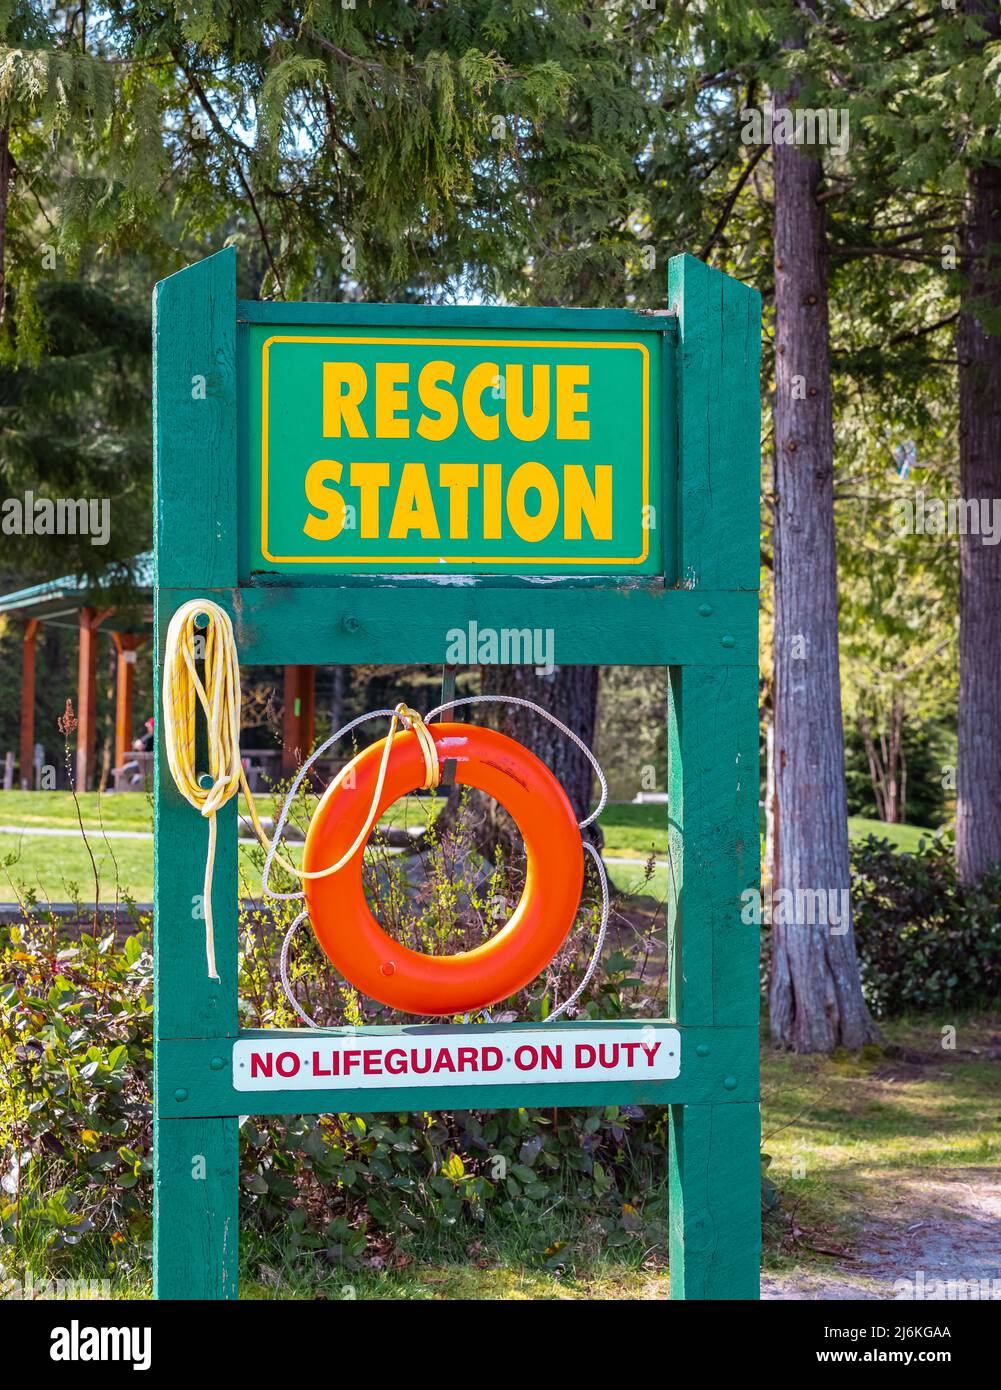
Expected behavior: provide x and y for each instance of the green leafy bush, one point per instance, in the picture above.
(925, 940)
(343, 1185)
(75, 1107)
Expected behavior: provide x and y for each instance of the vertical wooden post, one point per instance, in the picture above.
(86, 711)
(27, 741)
(195, 1243)
(299, 704)
(126, 646)
(714, 1160)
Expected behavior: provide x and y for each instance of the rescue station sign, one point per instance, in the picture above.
(383, 449)
(473, 1055)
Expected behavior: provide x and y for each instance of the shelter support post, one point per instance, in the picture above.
(86, 711)
(126, 646)
(297, 722)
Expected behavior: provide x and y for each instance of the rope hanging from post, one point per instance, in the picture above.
(219, 698)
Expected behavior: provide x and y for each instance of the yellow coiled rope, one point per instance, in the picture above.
(219, 698)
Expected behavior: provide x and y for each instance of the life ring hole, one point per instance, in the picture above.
(444, 872)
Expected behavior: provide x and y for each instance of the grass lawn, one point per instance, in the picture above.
(861, 1142)
(60, 871)
(59, 868)
(641, 830)
(124, 811)
(490, 1264)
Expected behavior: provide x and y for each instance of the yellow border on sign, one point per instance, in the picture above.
(459, 559)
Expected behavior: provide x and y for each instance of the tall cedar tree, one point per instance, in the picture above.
(978, 345)
(815, 996)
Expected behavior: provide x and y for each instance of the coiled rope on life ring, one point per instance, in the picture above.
(405, 977)
(219, 698)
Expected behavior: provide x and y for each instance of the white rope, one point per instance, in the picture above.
(296, 783)
(592, 964)
(283, 967)
(449, 704)
(530, 704)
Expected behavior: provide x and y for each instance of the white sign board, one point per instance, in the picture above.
(476, 1056)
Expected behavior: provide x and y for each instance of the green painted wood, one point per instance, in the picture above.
(195, 472)
(715, 1202)
(713, 846)
(668, 525)
(195, 1076)
(194, 1235)
(187, 1002)
(639, 627)
(713, 1157)
(195, 1190)
(458, 316)
(434, 582)
(195, 511)
(719, 413)
(713, 843)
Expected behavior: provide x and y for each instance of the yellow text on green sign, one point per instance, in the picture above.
(399, 450)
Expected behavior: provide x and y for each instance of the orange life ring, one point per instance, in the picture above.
(409, 980)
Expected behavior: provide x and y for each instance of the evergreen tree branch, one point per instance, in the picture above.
(221, 131)
(731, 200)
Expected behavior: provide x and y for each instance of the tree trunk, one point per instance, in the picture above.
(876, 774)
(887, 766)
(895, 815)
(571, 694)
(816, 1001)
(337, 697)
(978, 773)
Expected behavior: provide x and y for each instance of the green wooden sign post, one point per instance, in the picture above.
(352, 482)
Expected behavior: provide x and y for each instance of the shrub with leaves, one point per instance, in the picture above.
(354, 1188)
(926, 941)
(75, 1107)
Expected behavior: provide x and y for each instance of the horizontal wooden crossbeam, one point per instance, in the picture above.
(195, 1075)
(648, 626)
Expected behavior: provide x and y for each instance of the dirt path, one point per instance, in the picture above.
(938, 1236)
